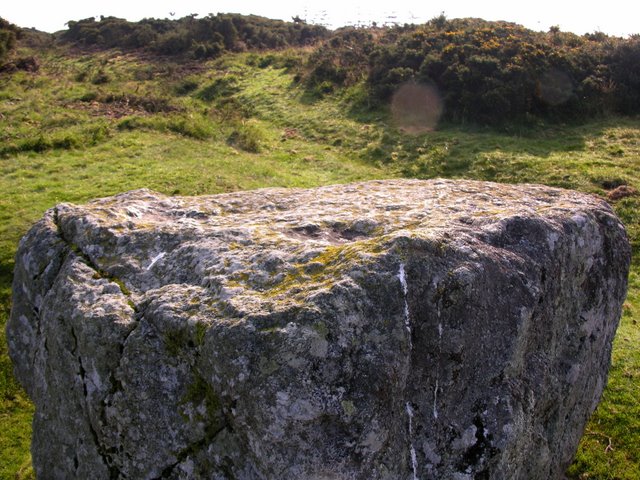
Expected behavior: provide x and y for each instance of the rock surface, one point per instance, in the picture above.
(382, 330)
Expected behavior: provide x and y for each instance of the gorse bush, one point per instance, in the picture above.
(173, 42)
(343, 59)
(487, 72)
(205, 37)
(8, 35)
(483, 72)
(624, 75)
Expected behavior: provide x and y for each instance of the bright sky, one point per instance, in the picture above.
(614, 17)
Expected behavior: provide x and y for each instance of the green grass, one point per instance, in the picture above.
(239, 123)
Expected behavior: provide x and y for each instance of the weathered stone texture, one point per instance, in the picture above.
(382, 330)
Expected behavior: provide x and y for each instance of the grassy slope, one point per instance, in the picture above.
(62, 149)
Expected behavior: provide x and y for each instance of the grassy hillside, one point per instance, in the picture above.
(87, 126)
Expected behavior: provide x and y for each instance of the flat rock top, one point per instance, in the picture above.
(272, 243)
(338, 213)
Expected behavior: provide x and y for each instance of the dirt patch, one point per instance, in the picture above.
(118, 106)
(107, 110)
(622, 191)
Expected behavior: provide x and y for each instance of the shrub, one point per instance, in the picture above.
(186, 87)
(624, 65)
(341, 60)
(173, 43)
(208, 49)
(220, 87)
(96, 133)
(231, 108)
(203, 38)
(142, 36)
(247, 136)
(37, 144)
(487, 72)
(132, 123)
(194, 127)
(320, 90)
(68, 140)
(8, 35)
(144, 73)
(100, 78)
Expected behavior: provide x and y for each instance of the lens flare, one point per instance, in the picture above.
(416, 108)
(555, 87)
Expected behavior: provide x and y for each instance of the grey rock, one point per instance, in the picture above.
(381, 330)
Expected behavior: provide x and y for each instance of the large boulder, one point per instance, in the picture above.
(382, 330)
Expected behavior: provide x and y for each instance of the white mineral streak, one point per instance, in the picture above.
(134, 212)
(414, 460)
(403, 282)
(155, 259)
(435, 400)
(435, 389)
(405, 289)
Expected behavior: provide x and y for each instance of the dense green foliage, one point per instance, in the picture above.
(8, 34)
(484, 72)
(203, 38)
(489, 72)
